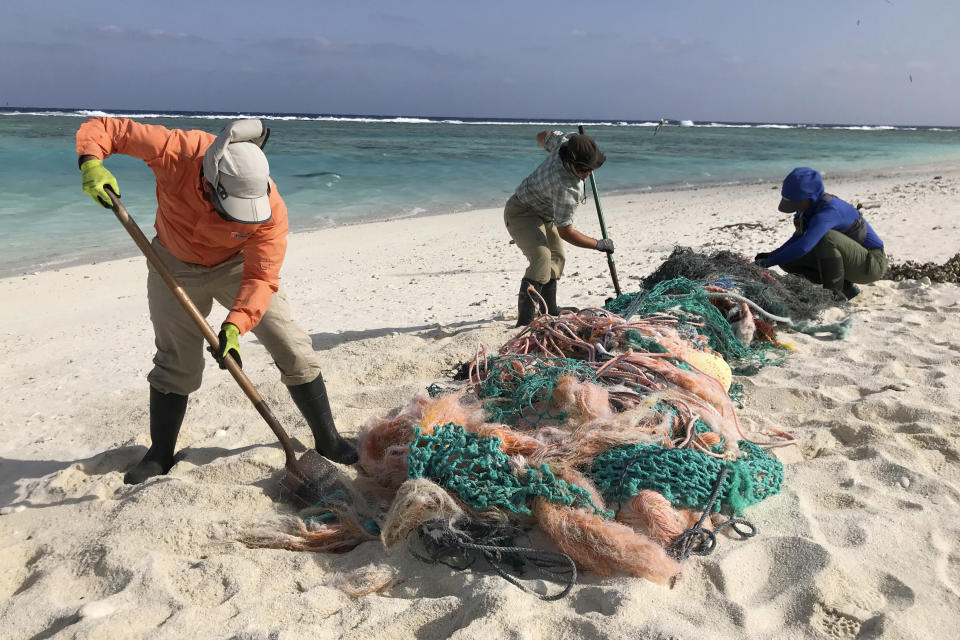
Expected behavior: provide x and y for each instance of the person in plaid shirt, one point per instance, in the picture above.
(540, 214)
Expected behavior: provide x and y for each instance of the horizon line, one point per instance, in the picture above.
(475, 119)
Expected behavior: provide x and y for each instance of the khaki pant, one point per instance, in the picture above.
(178, 363)
(860, 265)
(538, 240)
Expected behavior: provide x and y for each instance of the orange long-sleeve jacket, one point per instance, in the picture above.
(186, 223)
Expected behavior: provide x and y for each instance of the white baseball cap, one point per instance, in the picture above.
(238, 170)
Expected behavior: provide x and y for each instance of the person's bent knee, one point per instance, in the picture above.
(541, 269)
(541, 276)
(556, 269)
(878, 265)
(876, 269)
(300, 377)
(180, 385)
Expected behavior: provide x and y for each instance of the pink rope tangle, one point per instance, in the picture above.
(702, 449)
(536, 297)
(613, 361)
(788, 439)
(574, 343)
(554, 352)
(586, 336)
(478, 368)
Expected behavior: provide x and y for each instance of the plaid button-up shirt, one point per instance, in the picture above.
(552, 190)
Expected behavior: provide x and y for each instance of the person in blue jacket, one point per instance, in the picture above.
(833, 244)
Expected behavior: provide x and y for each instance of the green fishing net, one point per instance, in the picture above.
(519, 388)
(687, 301)
(686, 477)
(476, 470)
(638, 342)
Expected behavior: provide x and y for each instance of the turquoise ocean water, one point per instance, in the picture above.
(344, 169)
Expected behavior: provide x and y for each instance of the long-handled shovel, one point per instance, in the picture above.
(603, 230)
(304, 477)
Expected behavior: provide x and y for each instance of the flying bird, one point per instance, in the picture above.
(910, 75)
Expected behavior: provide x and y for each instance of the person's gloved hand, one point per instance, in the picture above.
(229, 340)
(605, 244)
(95, 178)
(762, 260)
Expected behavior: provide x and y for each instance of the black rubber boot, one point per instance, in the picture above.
(549, 293)
(831, 273)
(311, 399)
(166, 416)
(850, 290)
(527, 309)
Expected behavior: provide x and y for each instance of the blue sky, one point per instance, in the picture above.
(840, 61)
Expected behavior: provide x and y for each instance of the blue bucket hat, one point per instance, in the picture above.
(800, 184)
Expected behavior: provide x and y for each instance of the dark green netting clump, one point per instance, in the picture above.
(474, 468)
(780, 294)
(688, 302)
(634, 339)
(621, 304)
(686, 477)
(519, 388)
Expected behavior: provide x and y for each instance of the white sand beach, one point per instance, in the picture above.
(862, 542)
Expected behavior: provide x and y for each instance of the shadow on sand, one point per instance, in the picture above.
(436, 331)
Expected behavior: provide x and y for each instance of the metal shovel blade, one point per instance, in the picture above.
(312, 479)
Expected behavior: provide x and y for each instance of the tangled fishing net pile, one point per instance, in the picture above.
(735, 304)
(779, 294)
(613, 434)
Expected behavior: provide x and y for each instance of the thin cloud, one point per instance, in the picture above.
(116, 32)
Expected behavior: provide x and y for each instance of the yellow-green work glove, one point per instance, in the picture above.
(229, 340)
(95, 178)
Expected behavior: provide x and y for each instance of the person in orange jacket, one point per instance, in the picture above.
(222, 229)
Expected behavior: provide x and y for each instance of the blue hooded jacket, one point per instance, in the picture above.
(819, 218)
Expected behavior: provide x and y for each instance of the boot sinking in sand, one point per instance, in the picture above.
(166, 416)
(527, 309)
(311, 399)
